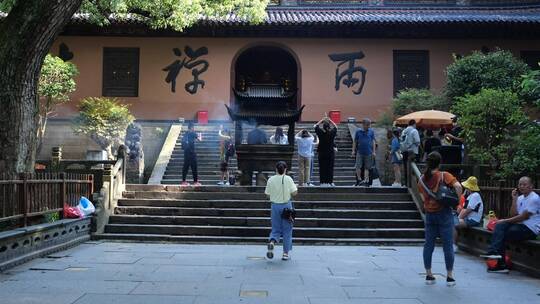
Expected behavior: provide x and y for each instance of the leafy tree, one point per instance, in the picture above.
(490, 119)
(530, 87)
(524, 155)
(495, 70)
(55, 83)
(105, 120)
(30, 28)
(412, 100)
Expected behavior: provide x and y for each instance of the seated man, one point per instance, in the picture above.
(471, 213)
(257, 136)
(523, 225)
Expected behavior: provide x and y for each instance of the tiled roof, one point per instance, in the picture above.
(322, 16)
(332, 15)
(345, 16)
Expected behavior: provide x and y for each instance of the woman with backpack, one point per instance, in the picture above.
(280, 188)
(439, 219)
(226, 150)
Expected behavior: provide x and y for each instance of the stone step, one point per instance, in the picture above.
(261, 204)
(251, 221)
(214, 166)
(218, 239)
(249, 196)
(176, 173)
(214, 176)
(215, 180)
(260, 189)
(265, 212)
(240, 231)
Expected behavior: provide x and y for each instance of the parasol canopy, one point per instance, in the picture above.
(428, 118)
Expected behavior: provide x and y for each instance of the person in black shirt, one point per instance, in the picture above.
(430, 142)
(190, 157)
(326, 150)
(455, 134)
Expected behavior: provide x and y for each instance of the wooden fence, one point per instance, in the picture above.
(33, 194)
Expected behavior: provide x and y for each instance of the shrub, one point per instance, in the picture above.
(412, 100)
(56, 81)
(495, 70)
(530, 88)
(525, 154)
(490, 119)
(103, 119)
(386, 119)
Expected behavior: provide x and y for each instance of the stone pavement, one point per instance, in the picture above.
(106, 272)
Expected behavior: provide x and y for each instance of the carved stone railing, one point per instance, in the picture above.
(114, 184)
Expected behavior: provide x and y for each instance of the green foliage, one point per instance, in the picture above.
(530, 87)
(56, 80)
(385, 120)
(6, 5)
(412, 100)
(51, 217)
(495, 70)
(524, 156)
(490, 119)
(103, 119)
(175, 14)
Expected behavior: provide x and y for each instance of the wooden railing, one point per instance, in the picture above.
(94, 167)
(29, 195)
(496, 194)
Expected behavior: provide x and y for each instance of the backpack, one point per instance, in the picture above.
(406, 141)
(230, 150)
(446, 196)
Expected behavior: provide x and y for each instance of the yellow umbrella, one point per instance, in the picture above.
(428, 118)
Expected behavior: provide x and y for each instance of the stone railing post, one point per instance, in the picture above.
(108, 178)
(122, 154)
(56, 158)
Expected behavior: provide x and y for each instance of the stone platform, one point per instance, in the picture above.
(104, 272)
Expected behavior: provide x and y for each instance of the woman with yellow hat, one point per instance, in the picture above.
(473, 209)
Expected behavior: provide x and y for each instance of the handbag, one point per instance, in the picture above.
(445, 195)
(399, 155)
(288, 214)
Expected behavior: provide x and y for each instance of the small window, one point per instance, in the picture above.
(411, 70)
(121, 72)
(531, 58)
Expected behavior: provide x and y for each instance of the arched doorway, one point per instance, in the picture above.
(266, 65)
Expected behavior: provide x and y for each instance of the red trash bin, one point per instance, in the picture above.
(335, 116)
(202, 117)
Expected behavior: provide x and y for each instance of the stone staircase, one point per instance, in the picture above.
(208, 156)
(341, 215)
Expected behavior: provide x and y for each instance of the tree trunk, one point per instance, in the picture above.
(27, 34)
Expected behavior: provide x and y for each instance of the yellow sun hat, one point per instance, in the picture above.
(471, 183)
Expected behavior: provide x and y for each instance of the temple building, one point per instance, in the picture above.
(307, 58)
(348, 55)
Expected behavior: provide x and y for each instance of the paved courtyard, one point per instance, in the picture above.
(106, 272)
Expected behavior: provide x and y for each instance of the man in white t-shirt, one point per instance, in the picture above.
(471, 213)
(523, 225)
